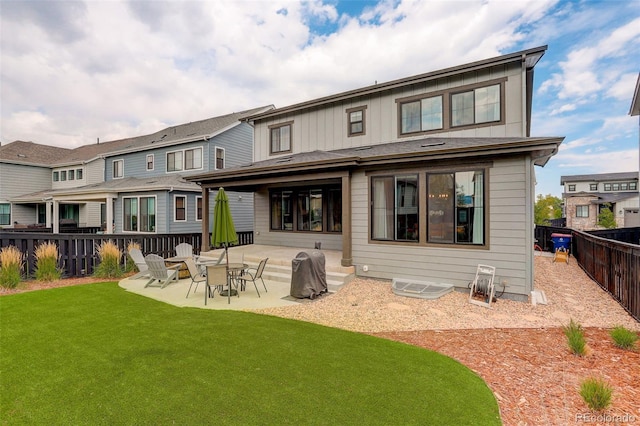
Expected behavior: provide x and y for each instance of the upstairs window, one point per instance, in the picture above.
(79, 174)
(63, 175)
(481, 105)
(219, 158)
(633, 186)
(421, 115)
(593, 186)
(56, 176)
(572, 188)
(188, 159)
(118, 169)
(72, 174)
(150, 162)
(280, 138)
(356, 118)
(607, 187)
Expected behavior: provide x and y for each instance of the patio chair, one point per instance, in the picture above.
(203, 261)
(217, 278)
(482, 288)
(138, 259)
(254, 274)
(160, 274)
(184, 250)
(196, 275)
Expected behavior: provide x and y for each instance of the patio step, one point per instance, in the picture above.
(277, 271)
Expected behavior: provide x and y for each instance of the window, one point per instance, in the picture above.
(421, 115)
(310, 210)
(198, 209)
(615, 187)
(63, 175)
(118, 169)
(56, 176)
(307, 209)
(624, 186)
(41, 213)
(593, 186)
(572, 188)
(150, 162)
(280, 138)
(5, 214)
(356, 118)
(180, 212)
(192, 160)
(395, 208)
(139, 214)
(607, 187)
(72, 174)
(79, 174)
(454, 201)
(481, 105)
(582, 211)
(219, 158)
(633, 186)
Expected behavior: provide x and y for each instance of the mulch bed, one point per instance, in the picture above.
(533, 375)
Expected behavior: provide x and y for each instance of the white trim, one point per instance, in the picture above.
(175, 206)
(198, 197)
(113, 175)
(182, 152)
(215, 158)
(153, 162)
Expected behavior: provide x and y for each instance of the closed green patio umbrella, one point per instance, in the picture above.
(224, 231)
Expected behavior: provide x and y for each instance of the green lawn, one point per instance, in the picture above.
(95, 354)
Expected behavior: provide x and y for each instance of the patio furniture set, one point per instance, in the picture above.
(226, 277)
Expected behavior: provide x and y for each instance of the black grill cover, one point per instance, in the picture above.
(308, 275)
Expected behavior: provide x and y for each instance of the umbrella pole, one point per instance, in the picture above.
(226, 254)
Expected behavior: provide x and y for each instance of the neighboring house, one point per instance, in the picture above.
(422, 178)
(137, 184)
(585, 196)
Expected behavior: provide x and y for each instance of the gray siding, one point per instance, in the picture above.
(507, 236)
(326, 128)
(18, 180)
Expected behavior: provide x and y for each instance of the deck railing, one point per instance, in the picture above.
(78, 252)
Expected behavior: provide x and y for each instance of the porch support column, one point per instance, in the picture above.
(347, 257)
(109, 218)
(205, 220)
(56, 217)
(49, 214)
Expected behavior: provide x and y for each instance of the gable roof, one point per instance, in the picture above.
(29, 153)
(529, 58)
(635, 102)
(32, 153)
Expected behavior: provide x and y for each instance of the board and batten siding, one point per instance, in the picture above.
(325, 128)
(18, 179)
(508, 229)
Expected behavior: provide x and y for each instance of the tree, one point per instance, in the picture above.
(546, 208)
(606, 218)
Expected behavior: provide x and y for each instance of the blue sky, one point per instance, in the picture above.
(75, 71)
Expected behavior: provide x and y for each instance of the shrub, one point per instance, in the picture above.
(46, 255)
(623, 337)
(10, 266)
(596, 393)
(110, 256)
(130, 265)
(575, 338)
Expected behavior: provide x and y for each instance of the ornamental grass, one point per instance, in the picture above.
(624, 338)
(575, 338)
(110, 256)
(11, 261)
(46, 255)
(596, 393)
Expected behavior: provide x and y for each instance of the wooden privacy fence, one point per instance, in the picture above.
(78, 252)
(614, 265)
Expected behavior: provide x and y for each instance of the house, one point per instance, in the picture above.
(585, 196)
(421, 178)
(135, 184)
